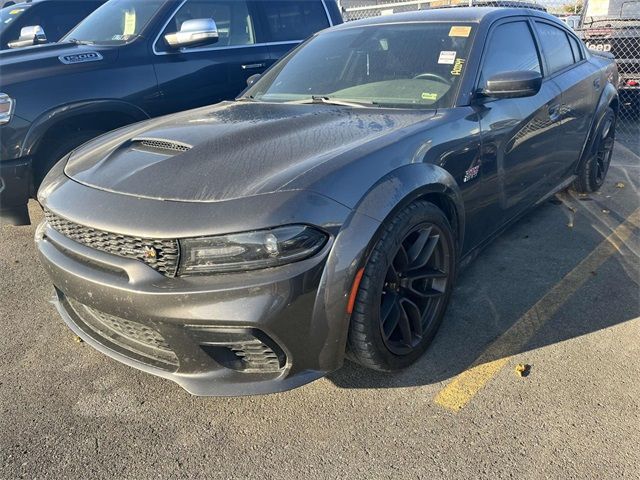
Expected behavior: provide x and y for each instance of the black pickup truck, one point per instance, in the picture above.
(128, 61)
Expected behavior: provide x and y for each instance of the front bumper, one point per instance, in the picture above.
(241, 334)
(15, 190)
(291, 318)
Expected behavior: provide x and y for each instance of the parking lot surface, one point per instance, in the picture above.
(559, 291)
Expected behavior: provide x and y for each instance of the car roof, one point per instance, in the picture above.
(458, 14)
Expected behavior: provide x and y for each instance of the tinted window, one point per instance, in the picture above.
(555, 46)
(235, 24)
(386, 65)
(287, 20)
(575, 47)
(511, 48)
(58, 18)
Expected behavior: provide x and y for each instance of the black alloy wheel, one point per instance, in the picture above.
(405, 288)
(414, 288)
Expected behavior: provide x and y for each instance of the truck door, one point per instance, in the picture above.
(194, 77)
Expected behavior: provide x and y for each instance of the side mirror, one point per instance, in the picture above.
(253, 79)
(194, 33)
(33, 35)
(512, 85)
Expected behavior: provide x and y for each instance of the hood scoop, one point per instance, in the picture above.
(159, 145)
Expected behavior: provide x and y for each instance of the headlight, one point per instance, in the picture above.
(6, 108)
(250, 250)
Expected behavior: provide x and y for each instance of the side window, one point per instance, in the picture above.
(555, 46)
(232, 17)
(289, 20)
(510, 48)
(575, 47)
(58, 18)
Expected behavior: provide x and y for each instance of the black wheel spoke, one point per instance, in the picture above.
(390, 314)
(413, 313)
(405, 329)
(415, 282)
(416, 249)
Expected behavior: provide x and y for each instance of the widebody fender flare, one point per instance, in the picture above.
(56, 116)
(356, 239)
(609, 94)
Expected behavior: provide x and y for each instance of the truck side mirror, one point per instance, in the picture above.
(193, 33)
(33, 35)
(253, 79)
(512, 85)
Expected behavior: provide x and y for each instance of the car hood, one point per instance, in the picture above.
(230, 150)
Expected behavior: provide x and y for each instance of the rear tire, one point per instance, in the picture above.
(45, 161)
(593, 171)
(405, 289)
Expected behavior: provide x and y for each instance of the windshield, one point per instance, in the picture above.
(116, 22)
(612, 9)
(406, 66)
(8, 15)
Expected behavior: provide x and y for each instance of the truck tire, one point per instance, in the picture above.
(53, 153)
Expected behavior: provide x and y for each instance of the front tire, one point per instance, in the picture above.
(593, 171)
(405, 289)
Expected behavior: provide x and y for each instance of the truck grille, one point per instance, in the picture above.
(161, 255)
(131, 337)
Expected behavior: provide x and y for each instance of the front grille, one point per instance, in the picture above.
(161, 255)
(132, 337)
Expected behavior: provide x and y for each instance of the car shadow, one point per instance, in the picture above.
(514, 273)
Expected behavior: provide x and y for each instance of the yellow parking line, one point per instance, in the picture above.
(457, 393)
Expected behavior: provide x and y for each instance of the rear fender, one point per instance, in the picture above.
(609, 94)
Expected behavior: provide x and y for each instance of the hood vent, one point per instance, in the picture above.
(156, 145)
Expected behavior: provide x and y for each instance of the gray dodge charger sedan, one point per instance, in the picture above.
(250, 246)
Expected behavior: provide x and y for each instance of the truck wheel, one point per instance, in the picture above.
(593, 170)
(405, 289)
(61, 147)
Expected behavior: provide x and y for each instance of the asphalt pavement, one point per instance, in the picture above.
(558, 292)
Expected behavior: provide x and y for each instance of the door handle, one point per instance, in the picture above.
(251, 66)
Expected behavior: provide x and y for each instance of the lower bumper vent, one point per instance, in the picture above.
(247, 351)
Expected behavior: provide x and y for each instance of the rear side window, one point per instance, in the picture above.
(289, 20)
(510, 48)
(555, 46)
(575, 47)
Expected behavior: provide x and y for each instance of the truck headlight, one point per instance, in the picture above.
(6, 108)
(249, 250)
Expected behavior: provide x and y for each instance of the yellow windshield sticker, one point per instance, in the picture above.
(429, 96)
(129, 22)
(459, 31)
(457, 67)
(16, 11)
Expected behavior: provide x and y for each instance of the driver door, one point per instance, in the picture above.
(194, 77)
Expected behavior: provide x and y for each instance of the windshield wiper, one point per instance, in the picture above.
(75, 41)
(321, 99)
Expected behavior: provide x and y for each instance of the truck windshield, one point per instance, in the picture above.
(415, 65)
(8, 15)
(611, 9)
(116, 22)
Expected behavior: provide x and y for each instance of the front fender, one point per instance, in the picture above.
(356, 238)
(62, 113)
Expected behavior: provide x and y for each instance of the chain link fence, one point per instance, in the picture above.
(605, 25)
